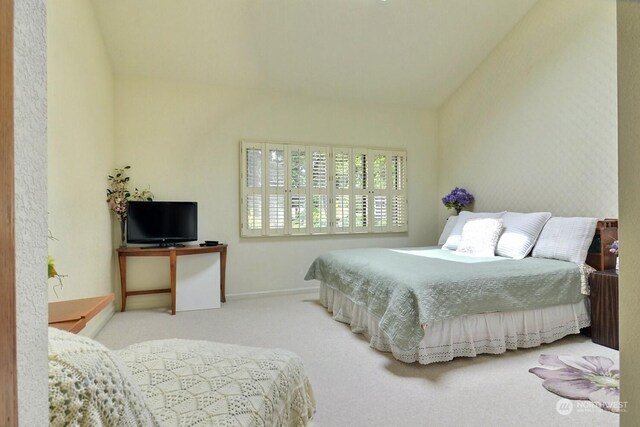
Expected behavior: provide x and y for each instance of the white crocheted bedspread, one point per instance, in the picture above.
(89, 386)
(203, 383)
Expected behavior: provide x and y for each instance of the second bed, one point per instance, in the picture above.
(432, 305)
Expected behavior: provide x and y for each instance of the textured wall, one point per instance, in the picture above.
(184, 140)
(31, 209)
(534, 127)
(629, 146)
(81, 149)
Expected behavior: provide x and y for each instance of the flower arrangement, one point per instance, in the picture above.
(457, 199)
(615, 247)
(118, 195)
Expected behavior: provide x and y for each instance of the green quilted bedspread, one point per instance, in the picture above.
(409, 288)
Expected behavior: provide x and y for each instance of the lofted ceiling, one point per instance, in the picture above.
(406, 52)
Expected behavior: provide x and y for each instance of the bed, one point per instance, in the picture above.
(175, 383)
(432, 304)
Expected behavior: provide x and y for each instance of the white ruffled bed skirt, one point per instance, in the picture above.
(465, 336)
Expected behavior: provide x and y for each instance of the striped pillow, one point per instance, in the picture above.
(521, 230)
(566, 239)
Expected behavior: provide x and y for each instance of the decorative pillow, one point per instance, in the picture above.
(454, 238)
(566, 239)
(446, 231)
(521, 230)
(90, 386)
(480, 237)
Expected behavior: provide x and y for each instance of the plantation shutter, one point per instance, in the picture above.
(379, 209)
(252, 175)
(361, 184)
(275, 189)
(298, 160)
(319, 191)
(398, 192)
(295, 189)
(341, 159)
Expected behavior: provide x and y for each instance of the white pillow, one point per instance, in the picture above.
(566, 239)
(454, 238)
(446, 231)
(521, 230)
(480, 237)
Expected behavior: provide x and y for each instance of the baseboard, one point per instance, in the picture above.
(274, 293)
(96, 324)
(152, 302)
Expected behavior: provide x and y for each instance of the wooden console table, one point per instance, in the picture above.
(172, 253)
(73, 315)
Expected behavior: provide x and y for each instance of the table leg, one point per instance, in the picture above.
(122, 261)
(223, 269)
(172, 262)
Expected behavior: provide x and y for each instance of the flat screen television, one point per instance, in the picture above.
(162, 223)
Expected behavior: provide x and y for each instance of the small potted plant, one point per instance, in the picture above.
(615, 247)
(52, 273)
(457, 199)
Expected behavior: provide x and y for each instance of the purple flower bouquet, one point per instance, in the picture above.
(457, 199)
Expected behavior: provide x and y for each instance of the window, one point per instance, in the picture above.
(292, 189)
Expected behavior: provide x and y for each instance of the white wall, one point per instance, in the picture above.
(534, 127)
(629, 291)
(81, 149)
(30, 127)
(183, 139)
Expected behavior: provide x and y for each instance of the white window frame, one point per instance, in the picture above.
(275, 192)
(297, 190)
(398, 221)
(396, 214)
(247, 192)
(322, 193)
(341, 191)
(361, 193)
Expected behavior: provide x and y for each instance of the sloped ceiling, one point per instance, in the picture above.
(406, 52)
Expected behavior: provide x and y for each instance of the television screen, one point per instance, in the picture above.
(162, 222)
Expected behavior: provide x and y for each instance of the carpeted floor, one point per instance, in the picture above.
(355, 385)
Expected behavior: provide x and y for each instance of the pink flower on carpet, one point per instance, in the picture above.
(586, 378)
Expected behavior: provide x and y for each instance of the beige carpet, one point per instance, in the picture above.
(358, 386)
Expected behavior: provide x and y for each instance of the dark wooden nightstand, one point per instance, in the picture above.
(604, 308)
